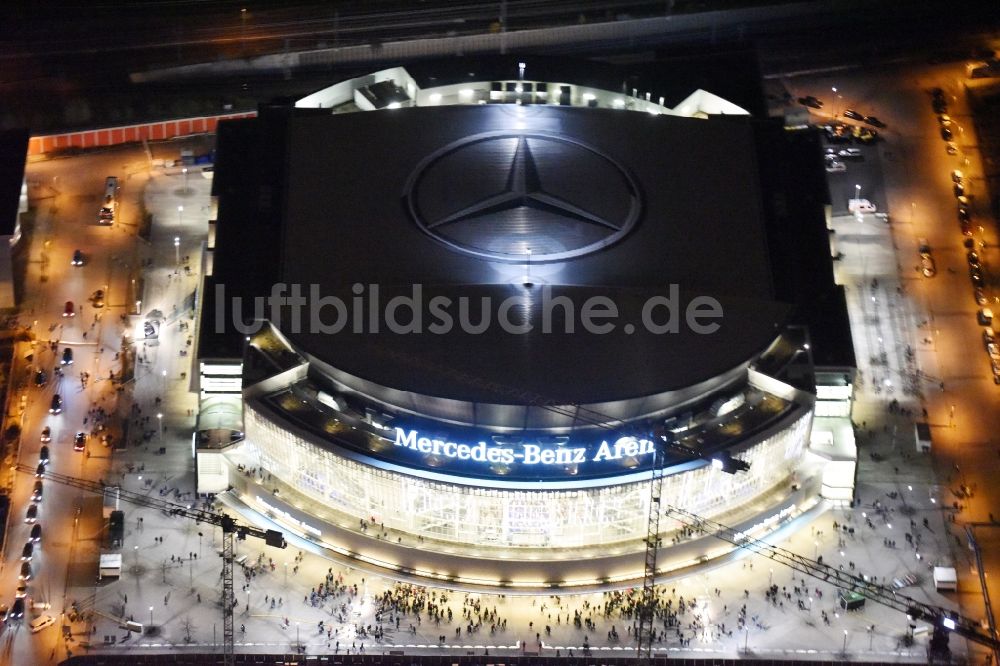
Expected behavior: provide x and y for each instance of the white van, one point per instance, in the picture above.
(41, 622)
(862, 206)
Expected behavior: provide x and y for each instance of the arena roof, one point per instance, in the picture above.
(609, 203)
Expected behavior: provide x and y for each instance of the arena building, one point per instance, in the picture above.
(449, 316)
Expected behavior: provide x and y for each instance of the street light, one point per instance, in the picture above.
(845, 641)
(159, 420)
(151, 616)
(180, 214)
(177, 248)
(185, 172)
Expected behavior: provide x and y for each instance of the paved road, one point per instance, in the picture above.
(934, 317)
(66, 201)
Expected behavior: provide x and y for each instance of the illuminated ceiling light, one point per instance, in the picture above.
(392, 105)
(465, 92)
(518, 88)
(589, 97)
(435, 98)
(619, 103)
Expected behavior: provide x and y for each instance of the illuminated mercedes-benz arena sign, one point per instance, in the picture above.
(482, 457)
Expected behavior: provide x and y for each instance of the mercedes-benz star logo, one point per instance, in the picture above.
(505, 196)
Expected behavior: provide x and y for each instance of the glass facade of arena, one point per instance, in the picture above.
(476, 516)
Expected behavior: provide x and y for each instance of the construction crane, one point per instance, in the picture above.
(646, 612)
(942, 620)
(230, 529)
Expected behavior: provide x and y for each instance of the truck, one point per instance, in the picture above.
(106, 215)
(922, 435)
(116, 528)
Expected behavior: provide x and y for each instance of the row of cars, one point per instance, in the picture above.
(16, 610)
(984, 315)
(844, 133)
(940, 105)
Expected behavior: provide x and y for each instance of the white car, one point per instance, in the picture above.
(833, 166)
(41, 622)
(860, 206)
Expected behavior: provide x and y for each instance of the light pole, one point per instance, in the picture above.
(770, 577)
(180, 214)
(951, 417)
(177, 250)
(159, 421)
(199, 544)
(185, 172)
(135, 551)
(857, 191)
(816, 550)
(243, 32)
(286, 574)
(845, 642)
(298, 643)
(151, 617)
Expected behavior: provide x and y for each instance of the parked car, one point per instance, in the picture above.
(927, 266)
(43, 455)
(850, 154)
(41, 378)
(97, 299)
(946, 134)
(56, 406)
(42, 622)
(811, 102)
(67, 356)
(980, 297)
(853, 115)
(40, 470)
(77, 258)
(36, 533)
(36, 492)
(959, 189)
(973, 258)
(976, 275)
(27, 552)
(951, 148)
(861, 206)
(17, 609)
(80, 441)
(25, 571)
(873, 121)
(833, 166)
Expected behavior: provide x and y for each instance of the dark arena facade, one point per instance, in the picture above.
(478, 300)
